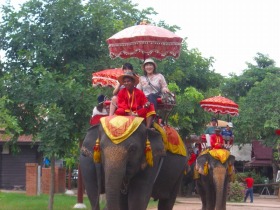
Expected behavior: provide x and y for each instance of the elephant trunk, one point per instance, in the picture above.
(115, 169)
(219, 176)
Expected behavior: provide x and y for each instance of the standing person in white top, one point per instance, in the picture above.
(152, 83)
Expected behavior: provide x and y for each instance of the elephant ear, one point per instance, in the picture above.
(156, 143)
(230, 162)
(202, 165)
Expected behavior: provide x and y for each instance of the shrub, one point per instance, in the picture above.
(236, 192)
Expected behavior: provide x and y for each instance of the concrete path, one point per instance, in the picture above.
(260, 203)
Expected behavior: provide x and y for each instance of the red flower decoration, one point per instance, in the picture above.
(277, 132)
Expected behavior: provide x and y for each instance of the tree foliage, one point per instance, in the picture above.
(259, 112)
(239, 86)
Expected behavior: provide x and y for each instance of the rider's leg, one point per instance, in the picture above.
(113, 105)
(149, 121)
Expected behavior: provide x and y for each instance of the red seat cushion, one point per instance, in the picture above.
(107, 102)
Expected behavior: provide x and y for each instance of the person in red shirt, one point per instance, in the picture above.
(132, 101)
(216, 139)
(249, 182)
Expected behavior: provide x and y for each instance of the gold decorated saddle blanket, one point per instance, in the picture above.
(171, 140)
(220, 154)
(119, 128)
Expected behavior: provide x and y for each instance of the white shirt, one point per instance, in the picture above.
(96, 112)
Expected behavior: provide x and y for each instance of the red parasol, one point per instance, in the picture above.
(220, 105)
(107, 77)
(144, 41)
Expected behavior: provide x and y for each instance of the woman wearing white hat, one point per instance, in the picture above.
(152, 83)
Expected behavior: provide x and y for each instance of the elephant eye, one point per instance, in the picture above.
(132, 148)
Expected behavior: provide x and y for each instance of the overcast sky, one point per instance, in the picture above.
(231, 31)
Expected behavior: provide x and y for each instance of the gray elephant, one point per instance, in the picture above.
(94, 185)
(213, 182)
(129, 182)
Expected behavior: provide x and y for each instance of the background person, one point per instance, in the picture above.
(249, 183)
(152, 83)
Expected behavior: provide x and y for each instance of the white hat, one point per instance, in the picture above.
(230, 124)
(149, 60)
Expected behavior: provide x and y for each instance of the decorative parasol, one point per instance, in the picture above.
(144, 41)
(220, 105)
(107, 77)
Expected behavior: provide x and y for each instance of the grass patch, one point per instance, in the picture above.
(20, 201)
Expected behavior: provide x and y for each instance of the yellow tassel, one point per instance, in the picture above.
(195, 174)
(96, 152)
(230, 169)
(149, 154)
(205, 169)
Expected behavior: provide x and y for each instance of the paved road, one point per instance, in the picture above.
(260, 203)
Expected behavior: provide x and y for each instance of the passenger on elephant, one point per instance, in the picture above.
(216, 139)
(228, 135)
(211, 129)
(99, 111)
(197, 149)
(192, 158)
(132, 101)
(127, 67)
(152, 83)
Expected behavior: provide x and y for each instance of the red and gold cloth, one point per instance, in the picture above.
(119, 128)
(192, 159)
(220, 154)
(134, 102)
(171, 140)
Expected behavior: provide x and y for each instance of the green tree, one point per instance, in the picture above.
(260, 115)
(8, 123)
(238, 86)
(51, 49)
(259, 112)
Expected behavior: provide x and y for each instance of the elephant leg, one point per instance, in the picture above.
(201, 191)
(206, 190)
(140, 189)
(168, 204)
(90, 180)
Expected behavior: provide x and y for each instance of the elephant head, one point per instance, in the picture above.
(128, 178)
(213, 182)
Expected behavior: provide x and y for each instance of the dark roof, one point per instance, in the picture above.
(261, 152)
(256, 163)
(22, 138)
(262, 155)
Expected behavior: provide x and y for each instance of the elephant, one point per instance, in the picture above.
(89, 170)
(124, 173)
(212, 184)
